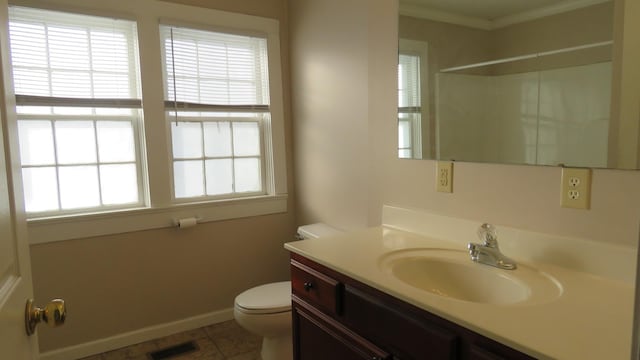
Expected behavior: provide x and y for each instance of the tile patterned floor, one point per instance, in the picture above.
(223, 341)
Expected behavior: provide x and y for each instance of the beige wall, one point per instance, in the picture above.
(330, 78)
(520, 196)
(578, 27)
(121, 283)
(449, 45)
(588, 25)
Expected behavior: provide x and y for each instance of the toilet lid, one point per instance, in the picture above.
(269, 298)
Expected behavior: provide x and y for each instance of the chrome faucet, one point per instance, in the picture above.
(488, 252)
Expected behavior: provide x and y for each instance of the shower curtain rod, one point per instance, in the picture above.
(530, 56)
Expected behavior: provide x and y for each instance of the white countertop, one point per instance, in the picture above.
(591, 319)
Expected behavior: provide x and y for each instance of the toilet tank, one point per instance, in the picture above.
(317, 230)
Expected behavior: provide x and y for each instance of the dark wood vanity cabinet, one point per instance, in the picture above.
(337, 317)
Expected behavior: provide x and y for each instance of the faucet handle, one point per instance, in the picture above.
(473, 251)
(488, 236)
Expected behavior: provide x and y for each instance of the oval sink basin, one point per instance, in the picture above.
(452, 274)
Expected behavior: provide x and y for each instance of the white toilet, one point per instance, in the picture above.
(265, 310)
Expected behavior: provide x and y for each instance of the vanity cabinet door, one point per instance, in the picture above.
(407, 335)
(318, 337)
(498, 352)
(481, 354)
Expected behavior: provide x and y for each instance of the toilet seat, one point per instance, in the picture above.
(265, 299)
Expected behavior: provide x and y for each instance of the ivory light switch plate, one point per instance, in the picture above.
(576, 188)
(444, 176)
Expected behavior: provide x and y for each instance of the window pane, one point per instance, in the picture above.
(71, 84)
(404, 153)
(110, 85)
(187, 140)
(75, 141)
(241, 92)
(24, 83)
(36, 142)
(246, 139)
(115, 141)
(119, 184)
(68, 48)
(110, 51)
(40, 189)
(247, 174)
(72, 110)
(404, 134)
(188, 178)
(33, 110)
(116, 112)
(219, 177)
(28, 44)
(217, 139)
(215, 92)
(408, 80)
(79, 187)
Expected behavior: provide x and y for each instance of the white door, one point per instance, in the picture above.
(15, 266)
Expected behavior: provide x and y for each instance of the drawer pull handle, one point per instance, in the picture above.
(308, 286)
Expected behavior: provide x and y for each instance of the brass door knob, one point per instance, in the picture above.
(53, 314)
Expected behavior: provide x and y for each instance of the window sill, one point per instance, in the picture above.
(87, 225)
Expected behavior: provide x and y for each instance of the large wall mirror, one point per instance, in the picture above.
(514, 82)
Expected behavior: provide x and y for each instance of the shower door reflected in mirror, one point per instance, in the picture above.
(517, 84)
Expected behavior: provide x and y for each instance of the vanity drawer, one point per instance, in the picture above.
(316, 288)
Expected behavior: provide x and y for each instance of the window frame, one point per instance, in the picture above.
(51, 102)
(162, 210)
(175, 107)
(204, 158)
(421, 128)
(135, 121)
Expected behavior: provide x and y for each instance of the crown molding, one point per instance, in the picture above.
(564, 6)
(424, 12)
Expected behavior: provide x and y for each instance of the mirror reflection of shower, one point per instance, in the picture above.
(520, 110)
(529, 87)
(513, 112)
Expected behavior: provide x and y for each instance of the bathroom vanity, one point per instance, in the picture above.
(387, 293)
(337, 317)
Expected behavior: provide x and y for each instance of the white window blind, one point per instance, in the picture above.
(217, 100)
(409, 105)
(78, 96)
(59, 55)
(212, 70)
(409, 82)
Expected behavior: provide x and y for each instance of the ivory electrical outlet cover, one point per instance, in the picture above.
(576, 188)
(444, 176)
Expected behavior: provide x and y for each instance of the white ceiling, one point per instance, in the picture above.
(489, 13)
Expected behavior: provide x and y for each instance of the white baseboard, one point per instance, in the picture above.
(137, 336)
